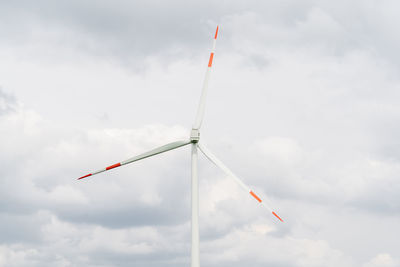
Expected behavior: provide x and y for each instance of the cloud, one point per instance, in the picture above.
(16, 256)
(48, 180)
(7, 103)
(259, 248)
(303, 106)
(382, 259)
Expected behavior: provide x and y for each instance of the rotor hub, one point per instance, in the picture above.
(194, 135)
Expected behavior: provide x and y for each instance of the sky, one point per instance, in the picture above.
(303, 105)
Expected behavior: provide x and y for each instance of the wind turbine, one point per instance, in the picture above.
(194, 141)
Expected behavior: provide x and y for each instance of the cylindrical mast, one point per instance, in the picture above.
(195, 210)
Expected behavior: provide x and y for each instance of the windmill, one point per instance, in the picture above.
(194, 141)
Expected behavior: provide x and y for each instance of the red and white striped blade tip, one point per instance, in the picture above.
(276, 215)
(106, 169)
(87, 175)
(216, 33)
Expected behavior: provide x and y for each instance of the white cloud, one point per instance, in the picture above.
(15, 256)
(382, 260)
(257, 248)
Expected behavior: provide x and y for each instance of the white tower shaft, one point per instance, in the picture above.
(195, 210)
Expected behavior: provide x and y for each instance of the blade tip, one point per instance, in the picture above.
(276, 215)
(87, 175)
(216, 32)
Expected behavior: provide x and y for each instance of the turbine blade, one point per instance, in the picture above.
(227, 171)
(150, 153)
(202, 103)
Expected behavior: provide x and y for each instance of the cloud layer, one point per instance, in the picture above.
(303, 105)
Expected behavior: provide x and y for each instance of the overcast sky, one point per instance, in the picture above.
(303, 105)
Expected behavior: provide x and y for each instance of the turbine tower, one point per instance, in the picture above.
(194, 141)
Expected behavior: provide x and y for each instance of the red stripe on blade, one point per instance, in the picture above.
(113, 166)
(255, 196)
(216, 33)
(211, 59)
(85, 176)
(277, 216)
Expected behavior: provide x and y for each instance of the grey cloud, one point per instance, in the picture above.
(129, 31)
(20, 228)
(7, 103)
(132, 31)
(40, 190)
(120, 211)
